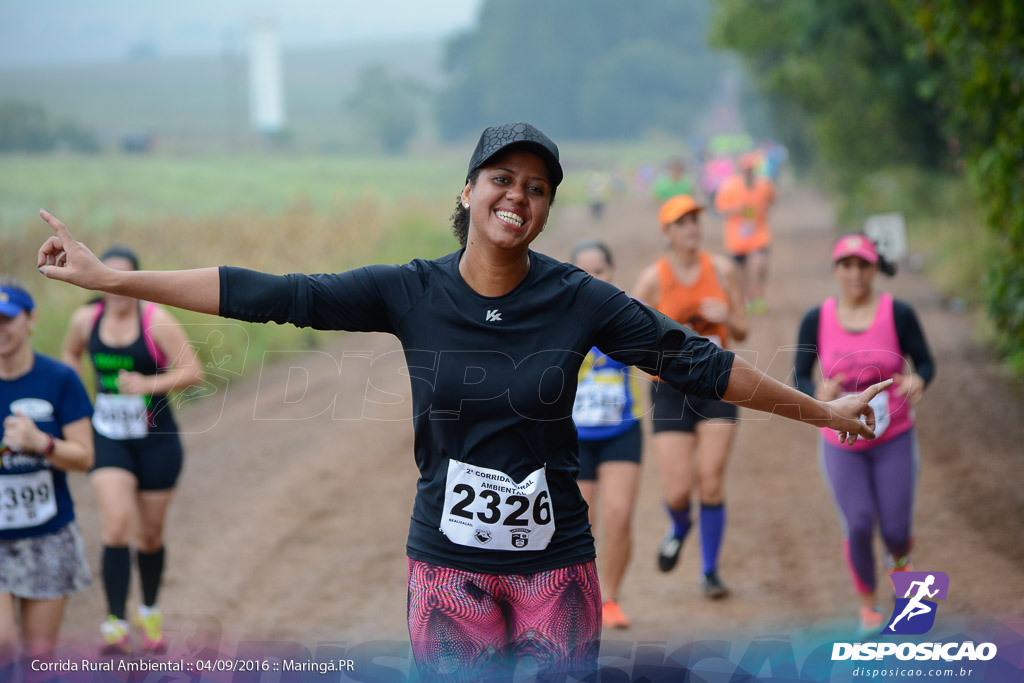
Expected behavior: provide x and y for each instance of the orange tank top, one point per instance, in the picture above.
(682, 302)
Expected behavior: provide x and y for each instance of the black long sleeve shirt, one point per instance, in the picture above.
(493, 378)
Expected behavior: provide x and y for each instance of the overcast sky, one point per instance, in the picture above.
(36, 32)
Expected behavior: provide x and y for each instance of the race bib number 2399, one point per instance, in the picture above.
(26, 500)
(485, 508)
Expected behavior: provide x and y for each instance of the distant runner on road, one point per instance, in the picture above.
(673, 181)
(745, 198)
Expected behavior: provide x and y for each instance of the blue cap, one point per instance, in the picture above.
(13, 301)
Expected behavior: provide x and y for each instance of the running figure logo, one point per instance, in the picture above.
(914, 613)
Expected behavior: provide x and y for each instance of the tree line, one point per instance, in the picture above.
(585, 70)
(936, 84)
(26, 127)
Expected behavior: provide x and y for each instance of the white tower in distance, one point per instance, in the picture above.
(266, 83)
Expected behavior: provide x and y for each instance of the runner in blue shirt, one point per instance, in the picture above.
(45, 432)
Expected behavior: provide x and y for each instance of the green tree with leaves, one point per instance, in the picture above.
(981, 88)
(24, 127)
(844, 63)
(905, 82)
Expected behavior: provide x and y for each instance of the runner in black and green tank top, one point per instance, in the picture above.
(138, 450)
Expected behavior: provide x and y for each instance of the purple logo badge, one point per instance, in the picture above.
(916, 593)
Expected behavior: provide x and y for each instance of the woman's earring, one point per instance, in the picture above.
(466, 205)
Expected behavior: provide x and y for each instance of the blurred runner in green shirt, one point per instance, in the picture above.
(675, 182)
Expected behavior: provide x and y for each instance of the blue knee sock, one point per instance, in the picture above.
(712, 528)
(680, 520)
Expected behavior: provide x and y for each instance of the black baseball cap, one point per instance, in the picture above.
(497, 138)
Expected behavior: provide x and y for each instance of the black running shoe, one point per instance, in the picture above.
(713, 587)
(668, 551)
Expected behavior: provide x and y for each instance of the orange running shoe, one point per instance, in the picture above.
(871, 622)
(613, 616)
(901, 564)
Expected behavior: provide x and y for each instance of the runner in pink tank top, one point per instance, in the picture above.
(859, 338)
(857, 359)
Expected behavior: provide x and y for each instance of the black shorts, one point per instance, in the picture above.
(625, 447)
(741, 259)
(678, 412)
(155, 461)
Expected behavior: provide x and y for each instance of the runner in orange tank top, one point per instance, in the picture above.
(702, 291)
(744, 199)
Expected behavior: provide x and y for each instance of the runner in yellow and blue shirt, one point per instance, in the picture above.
(607, 415)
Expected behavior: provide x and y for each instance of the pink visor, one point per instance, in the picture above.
(855, 245)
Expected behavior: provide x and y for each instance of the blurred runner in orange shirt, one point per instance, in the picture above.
(744, 199)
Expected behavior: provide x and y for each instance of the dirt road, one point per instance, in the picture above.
(294, 528)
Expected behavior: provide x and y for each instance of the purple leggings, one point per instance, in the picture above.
(467, 626)
(876, 483)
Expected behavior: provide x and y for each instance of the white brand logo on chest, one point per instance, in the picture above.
(493, 315)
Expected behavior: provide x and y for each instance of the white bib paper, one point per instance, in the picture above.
(485, 508)
(598, 405)
(880, 404)
(26, 500)
(120, 416)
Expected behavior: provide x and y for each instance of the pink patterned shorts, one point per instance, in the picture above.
(467, 626)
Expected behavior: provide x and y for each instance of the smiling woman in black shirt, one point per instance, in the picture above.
(500, 553)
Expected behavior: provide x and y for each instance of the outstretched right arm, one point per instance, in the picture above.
(64, 258)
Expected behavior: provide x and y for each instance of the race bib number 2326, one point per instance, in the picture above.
(485, 508)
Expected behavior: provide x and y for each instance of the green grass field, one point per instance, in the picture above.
(278, 214)
(100, 191)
